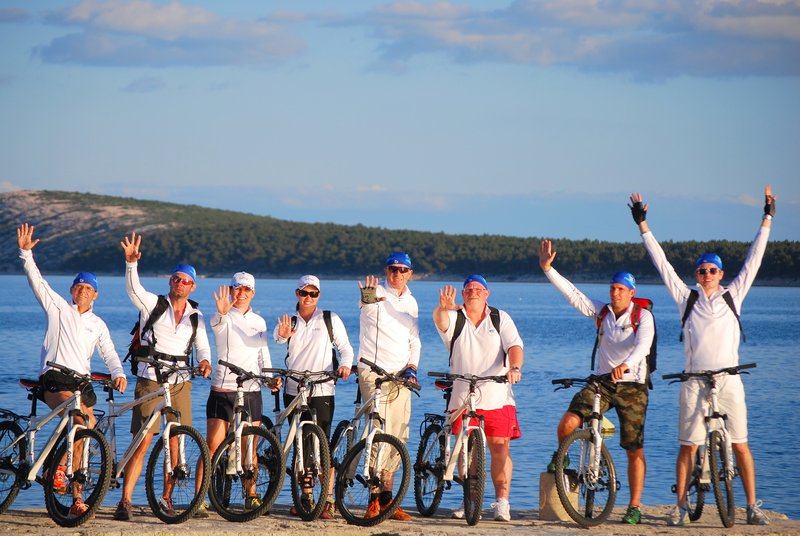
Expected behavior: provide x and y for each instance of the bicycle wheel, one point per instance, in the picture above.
(587, 498)
(381, 483)
(341, 442)
(475, 480)
(696, 492)
(429, 471)
(10, 462)
(722, 479)
(310, 479)
(262, 476)
(91, 476)
(176, 498)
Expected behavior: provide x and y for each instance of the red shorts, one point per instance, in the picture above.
(500, 422)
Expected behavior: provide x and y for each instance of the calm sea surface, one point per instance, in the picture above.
(558, 343)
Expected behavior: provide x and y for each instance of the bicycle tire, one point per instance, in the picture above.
(721, 480)
(95, 479)
(228, 492)
(185, 498)
(429, 471)
(341, 442)
(475, 481)
(696, 491)
(316, 473)
(354, 493)
(590, 511)
(10, 463)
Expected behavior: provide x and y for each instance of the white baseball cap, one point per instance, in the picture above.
(243, 279)
(308, 280)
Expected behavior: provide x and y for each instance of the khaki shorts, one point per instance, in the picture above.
(180, 393)
(395, 407)
(630, 400)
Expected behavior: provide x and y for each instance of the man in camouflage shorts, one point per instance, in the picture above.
(622, 351)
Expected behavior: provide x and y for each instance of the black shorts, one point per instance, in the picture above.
(322, 406)
(220, 405)
(55, 381)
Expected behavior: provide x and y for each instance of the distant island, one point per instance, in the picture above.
(81, 231)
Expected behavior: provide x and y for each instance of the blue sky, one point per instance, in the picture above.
(528, 118)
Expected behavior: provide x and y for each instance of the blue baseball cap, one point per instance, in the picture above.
(477, 278)
(86, 278)
(187, 269)
(398, 257)
(624, 278)
(712, 258)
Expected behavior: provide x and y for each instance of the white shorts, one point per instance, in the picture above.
(694, 404)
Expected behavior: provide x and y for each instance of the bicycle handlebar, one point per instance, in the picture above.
(171, 368)
(83, 378)
(244, 375)
(405, 382)
(305, 375)
(471, 378)
(683, 376)
(566, 383)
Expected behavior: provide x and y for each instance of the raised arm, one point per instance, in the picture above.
(447, 303)
(639, 212)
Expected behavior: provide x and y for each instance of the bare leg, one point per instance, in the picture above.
(502, 466)
(747, 470)
(637, 468)
(683, 468)
(133, 469)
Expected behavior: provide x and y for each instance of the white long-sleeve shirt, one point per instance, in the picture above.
(310, 349)
(71, 337)
(241, 339)
(171, 338)
(389, 334)
(711, 334)
(619, 343)
(481, 350)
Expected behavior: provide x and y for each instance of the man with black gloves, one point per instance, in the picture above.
(389, 337)
(711, 334)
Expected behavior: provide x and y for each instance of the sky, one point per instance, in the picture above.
(524, 118)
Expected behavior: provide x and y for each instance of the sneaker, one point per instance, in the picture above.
(123, 511)
(165, 503)
(202, 511)
(327, 512)
(755, 516)
(502, 510)
(79, 507)
(633, 516)
(400, 515)
(252, 503)
(60, 480)
(373, 510)
(308, 504)
(678, 516)
(458, 513)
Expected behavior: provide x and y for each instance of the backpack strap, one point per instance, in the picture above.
(599, 322)
(461, 319)
(326, 316)
(157, 312)
(690, 301)
(727, 298)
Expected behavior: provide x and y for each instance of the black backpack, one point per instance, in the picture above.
(636, 315)
(461, 319)
(694, 295)
(136, 349)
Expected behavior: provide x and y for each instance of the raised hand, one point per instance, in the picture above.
(546, 255)
(223, 300)
(368, 293)
(25, 237)
(447, 298)
(769, 201)
(285, 327)
(131, 247)
(638, 209)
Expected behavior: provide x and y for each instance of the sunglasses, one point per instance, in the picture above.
(704, 271)
(399, 269)
(311, 293)
(175, 279)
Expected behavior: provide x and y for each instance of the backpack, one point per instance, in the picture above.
(461, 319)
(694, 295)
(326, 316)
(636, 315)
(136, 349)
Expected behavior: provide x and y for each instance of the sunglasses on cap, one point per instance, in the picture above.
(704, 271)
(311, 293)
(399, 269)
(175, 279)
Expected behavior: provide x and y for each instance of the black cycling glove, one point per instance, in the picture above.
(638, 212)
(769, 208)
(369, 295)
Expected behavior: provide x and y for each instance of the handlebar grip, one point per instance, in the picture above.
(672, 376)
(438, 374)
(747, 366)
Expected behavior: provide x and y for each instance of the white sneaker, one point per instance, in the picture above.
(755, 516)
(678, 516)
(458, 513)
(501, 509)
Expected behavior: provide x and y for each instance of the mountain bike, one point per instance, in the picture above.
(714, 461)
(583, 462)
(310, 471)
(434, 469)
(181, 476)
(76, 459)
(378, 463)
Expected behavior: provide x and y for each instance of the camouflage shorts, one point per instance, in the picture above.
(630, 401)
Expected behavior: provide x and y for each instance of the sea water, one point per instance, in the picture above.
(558, 343)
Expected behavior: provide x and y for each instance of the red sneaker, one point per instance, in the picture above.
(373, 510)
(400, 515)
(78, 507)
(60, 480)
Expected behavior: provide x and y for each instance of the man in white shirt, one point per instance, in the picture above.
(484, 350)
(622, 351)
(711, 335)
(389, 337)
(170, 340)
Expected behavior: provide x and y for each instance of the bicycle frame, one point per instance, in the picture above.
(466, 413)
